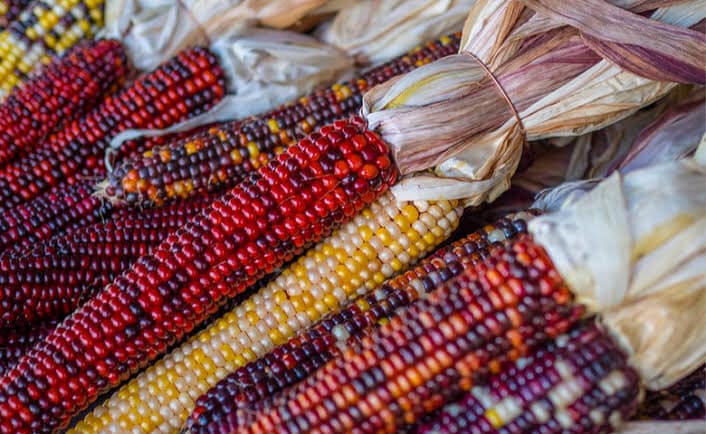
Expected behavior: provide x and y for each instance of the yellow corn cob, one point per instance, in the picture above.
(383, 240)
(44, 29)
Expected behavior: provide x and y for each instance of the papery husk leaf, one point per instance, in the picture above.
(664, 334)
(607, 260)
(264, 69)
(663, 427)
(374, 31)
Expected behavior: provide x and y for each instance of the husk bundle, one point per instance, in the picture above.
(568, 68)
(660, 427)
(374, 31)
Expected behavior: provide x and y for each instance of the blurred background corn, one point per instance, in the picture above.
(580, 383)
(682, 401)
(383, 240)
(187, 85)
(44, 29)
(59, 92)
(9, 10)
(220, 156)
(287, 364)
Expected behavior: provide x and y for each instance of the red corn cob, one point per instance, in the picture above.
(216, 410)
(63, 207)
(186, 85)
(581, 383)
(221, 156)
(682, 401)
(14, 343)
(297, 199)
(59, 92)
(53, 278)
(495, 312)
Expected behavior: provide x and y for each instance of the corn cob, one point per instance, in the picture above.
(579, 384)
(62, 91)
(384, 239)
(263, 222)
(53, 278)
(14, 343)
(682, 401)
(222, 155)
(11, 9)
(44, 29)
(492, 314)
(216, 410)
(187, 85)
(63, 207)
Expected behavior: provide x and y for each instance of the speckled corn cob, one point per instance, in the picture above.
(220, 156)
(54, 277)
(383, 240)
(188, 84)
(682, 401)
(61, 208)
(61, 91)
(11, 9)
(492, 314)
(14, 343)
(216, 411)
(44, 29)
(250, 231)
(581, 383)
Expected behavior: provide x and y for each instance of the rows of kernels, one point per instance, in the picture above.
(222, 155)
(61, 208)
(346, 264)
(44, 29)
(188, 84)
(216, 411)
(263, 222)
(492, 314)
(62, 90)
(50, 279)
(684, 400)
(579, 383)
(14, 343)
(10, 10)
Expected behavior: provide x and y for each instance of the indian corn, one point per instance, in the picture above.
(682, 401)
(44, 29)
(14, 343)
(62, 90)
(383, 240)
(222, 155)
(10, 9)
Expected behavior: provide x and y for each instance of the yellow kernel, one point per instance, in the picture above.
(429, 238)
(494, 418)
(253, 150)
(378, 278)
(410, 212)
(384, 236)
(396, 264)
(365, 233)
(252, 317)
(272, 124)
(190, 147)
(236, 156)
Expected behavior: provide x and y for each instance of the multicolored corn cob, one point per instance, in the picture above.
(61, 91)
(274, 214)
(496, 311)
(61, 208)
(682, 401)
(44, 29)
(581, 383)
(54, 277)
(185, 86)
(216, 410)
(384, 239)
(11, 9)
(14, 343)
(221, 156)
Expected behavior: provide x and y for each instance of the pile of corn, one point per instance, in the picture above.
(259, 275)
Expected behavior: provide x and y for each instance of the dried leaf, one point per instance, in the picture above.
(663, 427)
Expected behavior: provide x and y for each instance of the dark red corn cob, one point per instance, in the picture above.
(492, 314)
(216, 411)
(221, 156)
(185, 86)
(14, 343)
(580, 383)
(58, 93)
(682, 401)
(297, 199)
(61, 208)
(50, 280)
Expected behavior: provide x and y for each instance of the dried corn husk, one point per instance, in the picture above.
(659, 427)
(264, 69)
(374, 31)
(631, 235)
(152, 31)
(564, 73)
